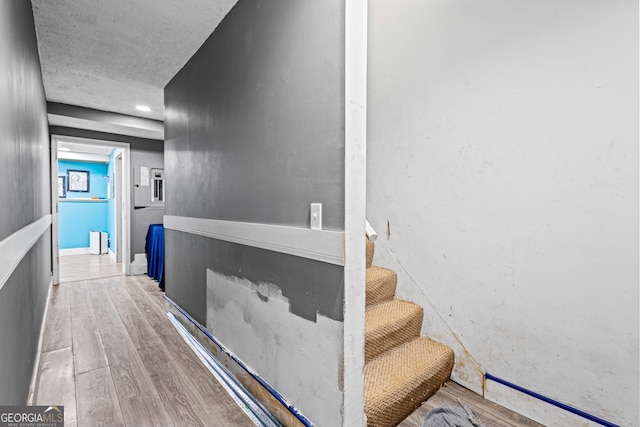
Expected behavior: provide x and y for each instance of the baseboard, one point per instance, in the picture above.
(74, 251)
(537, 409)
(35, 377)
(138, 265)
(288, 415)
(113, 256)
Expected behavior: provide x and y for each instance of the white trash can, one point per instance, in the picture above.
(98, 243)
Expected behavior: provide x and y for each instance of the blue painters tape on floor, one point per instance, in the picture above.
(271, 390)
(551, 401)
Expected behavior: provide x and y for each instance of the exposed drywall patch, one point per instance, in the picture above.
(311, 287)
(288, 415)
(300, 358)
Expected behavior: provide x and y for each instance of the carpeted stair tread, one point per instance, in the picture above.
(389, 324)
(380, 284)
(398, 381)
(369, 249)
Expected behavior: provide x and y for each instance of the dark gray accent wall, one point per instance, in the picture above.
(26, 196)
(254, 130)
(22, 304)
(144, 152)
(255, 119)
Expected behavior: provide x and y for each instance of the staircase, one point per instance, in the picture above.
(402, 369)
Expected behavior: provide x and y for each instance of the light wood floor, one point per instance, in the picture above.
(74, 268)
(112, 358)
(487, 413)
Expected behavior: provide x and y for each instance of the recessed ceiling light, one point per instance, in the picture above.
(64, 149)
(143, 108)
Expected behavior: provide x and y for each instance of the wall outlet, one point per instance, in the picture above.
(316, 216)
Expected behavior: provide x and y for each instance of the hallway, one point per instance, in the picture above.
(112, 358)
(493, 145)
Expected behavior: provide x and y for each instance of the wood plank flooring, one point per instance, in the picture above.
(75, 268)
(112, 358)
(487, 413)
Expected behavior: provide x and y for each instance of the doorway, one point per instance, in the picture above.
(115, 198)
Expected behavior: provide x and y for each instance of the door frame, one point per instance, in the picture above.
(118, 173)
(126, 196)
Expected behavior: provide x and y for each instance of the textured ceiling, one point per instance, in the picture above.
(112, 55)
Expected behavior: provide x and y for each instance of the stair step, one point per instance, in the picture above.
(381, 284)
(389, 324)
(370, 247)
(398, 381)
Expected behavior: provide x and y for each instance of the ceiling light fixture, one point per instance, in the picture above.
(143, 108)
(64, 149)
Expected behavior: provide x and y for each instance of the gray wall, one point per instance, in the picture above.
(144, 152)
(142, 217)
(261, 137)
(257, 117)
(254, 130)
(25, 194)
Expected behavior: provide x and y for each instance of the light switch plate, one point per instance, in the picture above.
(316, 216)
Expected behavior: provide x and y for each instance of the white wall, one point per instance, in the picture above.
(503, 152)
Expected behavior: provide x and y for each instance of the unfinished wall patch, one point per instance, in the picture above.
(311, 287)
(300, 358)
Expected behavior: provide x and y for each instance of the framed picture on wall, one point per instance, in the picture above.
(62, 187)
(78, 180)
